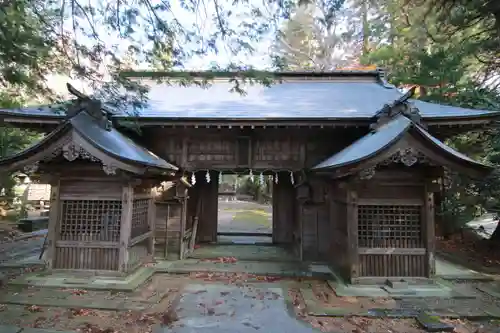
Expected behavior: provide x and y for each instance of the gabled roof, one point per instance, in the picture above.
(84, 135)
(331, 96)
(396, 135)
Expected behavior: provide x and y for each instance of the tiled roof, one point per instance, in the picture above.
(383, 138)
(340, 98)
(114, 143)
(369, 145)
(111, 142)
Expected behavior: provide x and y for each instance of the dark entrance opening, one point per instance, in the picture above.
(245, 210)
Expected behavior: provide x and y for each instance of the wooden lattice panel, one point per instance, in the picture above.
(139, 217)
(389, 226)
(90, 220)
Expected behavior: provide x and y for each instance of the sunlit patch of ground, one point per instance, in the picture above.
(254, 216)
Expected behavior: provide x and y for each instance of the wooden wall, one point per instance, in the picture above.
(338, 255)
(258, 149)
(314, 218)
(390, 225)
(99, 223)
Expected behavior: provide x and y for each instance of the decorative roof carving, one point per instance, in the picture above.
(92, 106)
(407, 156)
(71, 152)
(402, 106)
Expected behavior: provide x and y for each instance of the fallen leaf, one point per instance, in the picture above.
(34, 308)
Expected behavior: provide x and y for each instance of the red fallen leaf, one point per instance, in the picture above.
(146, 319)
(34, 308)
(169, 317)
(39, 321)
(81, 312)
(197, 246)
(78, 292)
(219, 302)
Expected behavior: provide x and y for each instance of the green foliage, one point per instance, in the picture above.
(12, 141)
(441, 57)
(252, 186)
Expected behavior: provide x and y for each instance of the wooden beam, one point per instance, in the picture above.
(125, 226)
(391, 251)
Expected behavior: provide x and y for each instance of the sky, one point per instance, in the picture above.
(259, 59)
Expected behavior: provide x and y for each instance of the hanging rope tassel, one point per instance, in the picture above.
(193, 179)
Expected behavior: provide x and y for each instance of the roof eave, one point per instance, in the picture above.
(367, 157)
(141, 164)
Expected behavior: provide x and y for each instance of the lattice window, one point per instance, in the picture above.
(140, 217)
(88, 220)
(389, 226)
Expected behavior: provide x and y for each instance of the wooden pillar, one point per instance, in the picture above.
(183, 222)
(284, 202)
(151, 223)
(429, 229)
(352, 233)
(54, 216)
(208, 193)
(125, 226)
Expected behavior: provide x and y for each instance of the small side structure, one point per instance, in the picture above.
(102, 209)
(382, 198)
(173, 226)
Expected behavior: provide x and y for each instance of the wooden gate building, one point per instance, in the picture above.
(355, 164)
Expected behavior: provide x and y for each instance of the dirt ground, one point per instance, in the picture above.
(371, 325)
(162, 293)
(470, 247)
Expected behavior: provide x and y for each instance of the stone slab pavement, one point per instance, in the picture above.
(15, 329)
(229, 309)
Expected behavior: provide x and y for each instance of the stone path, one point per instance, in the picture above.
(230, 309)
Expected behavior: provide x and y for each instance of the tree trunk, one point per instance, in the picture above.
(366, 27)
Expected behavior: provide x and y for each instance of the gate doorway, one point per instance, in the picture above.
(245, 210)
